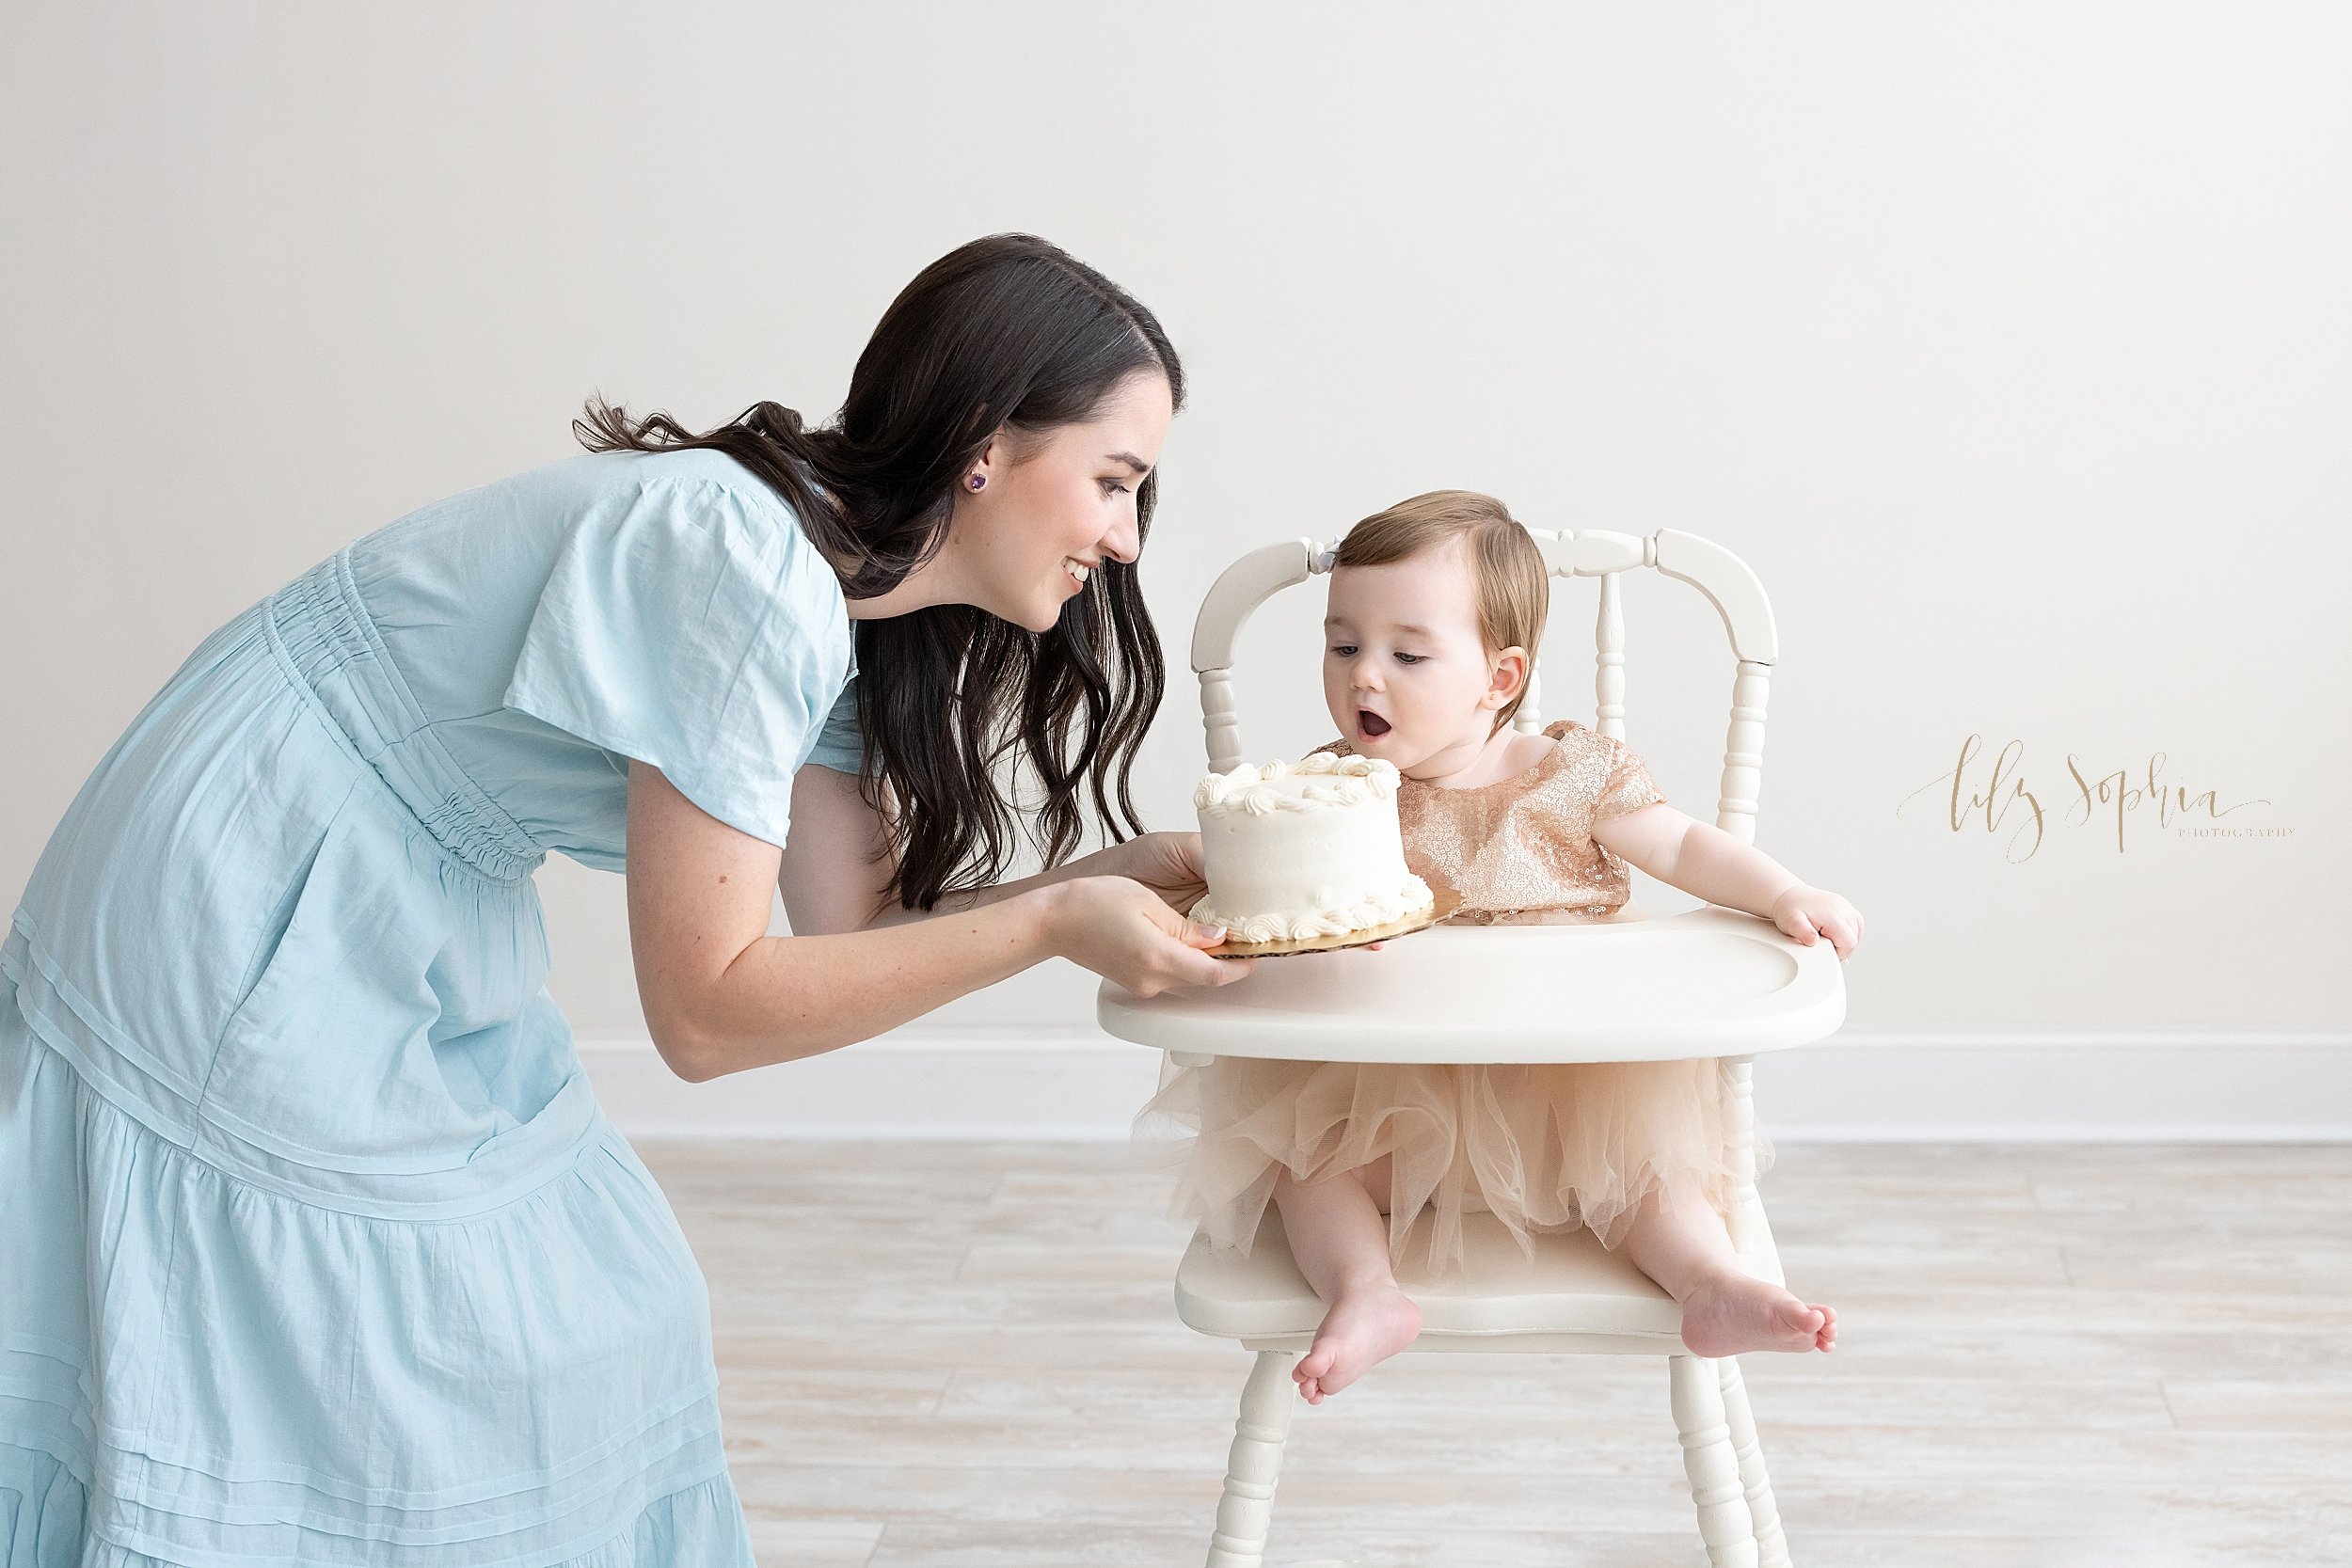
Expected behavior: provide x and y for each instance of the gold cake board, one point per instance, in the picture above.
(1446, 902)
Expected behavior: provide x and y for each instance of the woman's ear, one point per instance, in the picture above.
(1506, 677)
(987, 462)
(1003, 448)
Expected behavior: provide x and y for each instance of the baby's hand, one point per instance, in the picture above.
(1810, 913)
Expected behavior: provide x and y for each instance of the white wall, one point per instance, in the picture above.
(2011, 345)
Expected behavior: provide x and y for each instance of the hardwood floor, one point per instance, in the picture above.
(964, 1356)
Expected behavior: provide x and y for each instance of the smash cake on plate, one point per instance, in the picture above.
(1305, 852)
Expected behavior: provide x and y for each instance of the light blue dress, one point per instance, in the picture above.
(314, 1245)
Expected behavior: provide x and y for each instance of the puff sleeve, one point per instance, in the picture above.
(690, 625)
(840, 743)
(1628, 785)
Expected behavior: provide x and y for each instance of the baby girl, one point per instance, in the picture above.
(1436, 608)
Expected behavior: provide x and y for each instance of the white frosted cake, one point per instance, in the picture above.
(1294, 852)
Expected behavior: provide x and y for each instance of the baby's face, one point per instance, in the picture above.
(1405, 671)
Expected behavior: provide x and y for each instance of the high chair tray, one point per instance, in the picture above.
(1710, 982)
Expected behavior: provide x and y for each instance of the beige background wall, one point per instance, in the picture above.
(2011, 345)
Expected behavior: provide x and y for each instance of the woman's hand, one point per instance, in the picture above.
(1167, 863)
(1810, 913)
(1126, 932)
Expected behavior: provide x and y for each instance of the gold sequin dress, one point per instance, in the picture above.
(1543, 1147)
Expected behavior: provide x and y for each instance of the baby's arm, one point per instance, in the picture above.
(1703, 860)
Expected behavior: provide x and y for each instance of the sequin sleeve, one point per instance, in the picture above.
(1628, 787)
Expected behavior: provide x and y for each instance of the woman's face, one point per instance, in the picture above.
(1028, 539)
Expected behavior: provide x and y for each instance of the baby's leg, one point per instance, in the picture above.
(1341, 1243)
(1678, 1240)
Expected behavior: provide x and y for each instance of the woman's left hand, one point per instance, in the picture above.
(1810, 913)
(1167, 863)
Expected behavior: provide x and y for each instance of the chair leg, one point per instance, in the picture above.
(1247, 1509)
(1772, 1545)
(1707, 1459)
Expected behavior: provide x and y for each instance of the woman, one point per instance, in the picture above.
(314, 1245)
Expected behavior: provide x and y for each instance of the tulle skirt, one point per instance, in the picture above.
(1542, 1146)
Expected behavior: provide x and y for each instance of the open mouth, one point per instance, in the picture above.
(1370, 725)
(1079, 571)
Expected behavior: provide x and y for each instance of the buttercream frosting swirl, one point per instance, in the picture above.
(1324, 780)
(1373, 908)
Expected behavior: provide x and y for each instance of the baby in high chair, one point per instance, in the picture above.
(1437, 606)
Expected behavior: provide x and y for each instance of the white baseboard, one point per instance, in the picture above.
(1976, 1086)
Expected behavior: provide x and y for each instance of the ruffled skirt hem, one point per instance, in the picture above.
(45, 1522)
(1543, 1147)
(202, 1372)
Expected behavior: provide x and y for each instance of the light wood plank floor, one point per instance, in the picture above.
(964, 1356)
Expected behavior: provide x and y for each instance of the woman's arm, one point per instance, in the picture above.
(720, 995)
(1702, 859)
(836, 872)
(838, 869)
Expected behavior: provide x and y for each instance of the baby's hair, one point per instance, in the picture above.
(1514, 588)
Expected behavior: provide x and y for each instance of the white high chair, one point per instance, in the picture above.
(1710, 982)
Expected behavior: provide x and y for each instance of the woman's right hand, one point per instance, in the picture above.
(1125, 932)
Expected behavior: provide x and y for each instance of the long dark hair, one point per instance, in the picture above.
(955, 704)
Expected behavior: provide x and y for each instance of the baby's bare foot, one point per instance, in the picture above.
(1739, 1312)
(1362, 1329)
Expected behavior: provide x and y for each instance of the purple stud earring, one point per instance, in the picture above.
(979, 480)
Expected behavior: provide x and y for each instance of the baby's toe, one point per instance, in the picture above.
(1799, 1318)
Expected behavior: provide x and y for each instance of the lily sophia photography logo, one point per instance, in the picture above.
(1996, 798)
